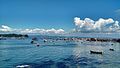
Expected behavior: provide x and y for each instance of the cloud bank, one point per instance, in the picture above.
(7, 29)
(43, 31)
(101, 25)
(87, 25)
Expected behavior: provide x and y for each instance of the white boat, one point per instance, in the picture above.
(23, 66)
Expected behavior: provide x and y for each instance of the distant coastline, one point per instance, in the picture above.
(13, 35)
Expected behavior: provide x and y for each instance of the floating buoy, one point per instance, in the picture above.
(38, 45)
(111, 44)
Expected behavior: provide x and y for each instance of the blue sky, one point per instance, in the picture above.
(55, 13)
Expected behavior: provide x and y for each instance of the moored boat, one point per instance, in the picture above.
(111, 49)
(95, 52)
(23, 66)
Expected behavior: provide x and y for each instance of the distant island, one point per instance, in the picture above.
(14, 35)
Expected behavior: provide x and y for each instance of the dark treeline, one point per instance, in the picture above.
(13, 35)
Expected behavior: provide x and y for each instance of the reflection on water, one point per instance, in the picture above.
(59, 54)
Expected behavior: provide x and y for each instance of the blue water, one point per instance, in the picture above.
(58, 54)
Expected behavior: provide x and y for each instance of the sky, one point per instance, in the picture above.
(56, 15)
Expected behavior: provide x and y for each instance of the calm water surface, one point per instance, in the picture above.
(58, 54)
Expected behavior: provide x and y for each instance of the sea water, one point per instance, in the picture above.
(58, 54)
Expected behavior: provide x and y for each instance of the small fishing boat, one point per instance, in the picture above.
(37, 44)
(111, 49)
(23, 66)
(96, 52)
(32, 42)
(45, 40)
(35, 39)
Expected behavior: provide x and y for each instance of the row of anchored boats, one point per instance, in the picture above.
(91, 51)
(35, 39)
(99, 52)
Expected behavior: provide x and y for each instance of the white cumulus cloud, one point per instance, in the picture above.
(5, 28)
(101, 25)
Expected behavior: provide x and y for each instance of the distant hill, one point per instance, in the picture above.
(13, 35)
